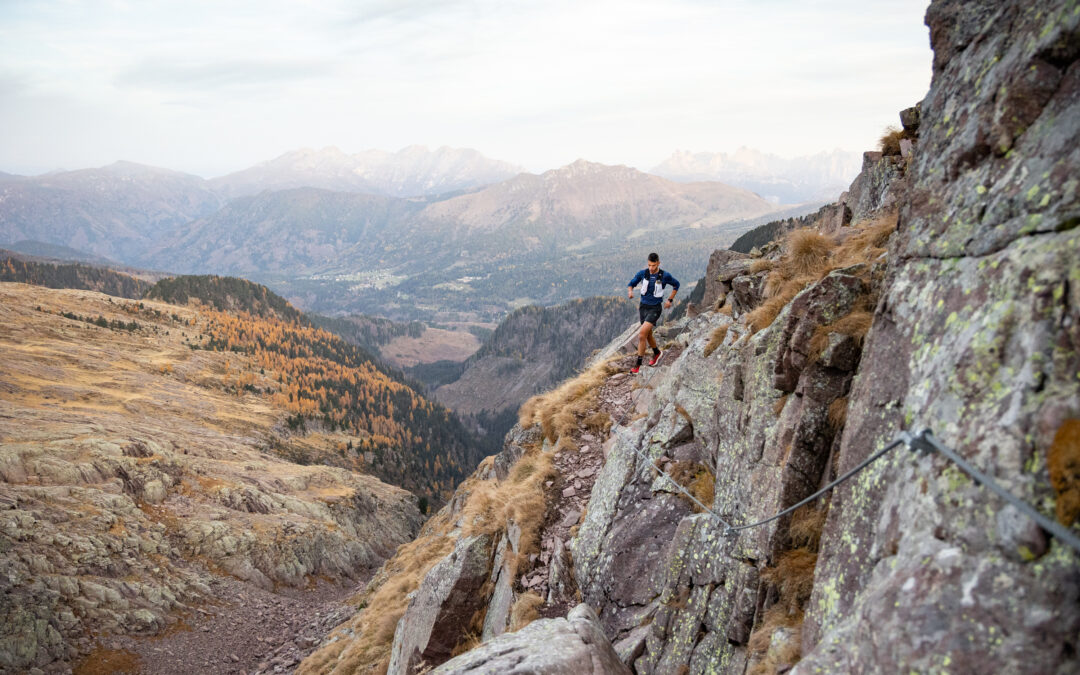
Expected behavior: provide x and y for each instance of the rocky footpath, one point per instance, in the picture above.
(941, 293)
(133, 481)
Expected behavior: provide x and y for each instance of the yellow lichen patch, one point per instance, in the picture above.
(1063, 462)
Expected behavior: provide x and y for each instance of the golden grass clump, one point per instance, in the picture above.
(558, 411)
(807, 251)
(775, 660)
(889, 144)
(837, 414)
(809, 256)
(1063, 463)
(806, 525)
(856, 324)
(726, 310)
(716, 339)
(793, 577)
(520, 498)
(866, 241)
(525, 610)
(698, 481)
(761, 265)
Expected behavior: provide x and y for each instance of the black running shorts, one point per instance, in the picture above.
(650, 313)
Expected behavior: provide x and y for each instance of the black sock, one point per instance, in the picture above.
(639, 360)
(656, 351)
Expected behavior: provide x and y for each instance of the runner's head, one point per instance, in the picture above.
(654, 263)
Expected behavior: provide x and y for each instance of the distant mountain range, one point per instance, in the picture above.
(118, 211)
(409, 235)
(413, 171)
(545, 238)
(819, 177)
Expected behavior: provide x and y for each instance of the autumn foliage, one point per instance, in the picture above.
(328, 384)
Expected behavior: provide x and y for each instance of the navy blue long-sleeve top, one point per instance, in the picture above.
(651, 286)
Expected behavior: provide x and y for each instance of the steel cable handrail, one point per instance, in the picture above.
(923, 441)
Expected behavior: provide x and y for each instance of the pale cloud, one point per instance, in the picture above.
(211, 87)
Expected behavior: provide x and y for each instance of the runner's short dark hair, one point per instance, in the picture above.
(654, 257)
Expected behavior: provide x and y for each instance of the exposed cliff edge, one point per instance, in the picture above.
(942, 292)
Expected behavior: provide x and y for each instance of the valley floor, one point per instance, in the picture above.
(249, 630)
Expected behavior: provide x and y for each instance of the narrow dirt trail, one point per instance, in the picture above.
(578, 470)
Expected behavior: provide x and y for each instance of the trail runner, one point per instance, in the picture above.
(651, 283)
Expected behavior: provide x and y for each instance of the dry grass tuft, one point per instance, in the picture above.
(726, 310)
(778, 406)
(469, 642)
(866, 241)
(598, 422)
(558, 412)
(779, 660)
(807, 251)
(806, 525)
(765, 313)
(761, 265)
(837, 413)
(793, 576)
(810, 255)
(384, 603)
(1063, 462)
(716, 339)
(890, 140)
(698, 481)
(521, 499)
(525, 610)
(856, 324)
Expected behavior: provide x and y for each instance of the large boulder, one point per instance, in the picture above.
(575, 645)
(441, 609)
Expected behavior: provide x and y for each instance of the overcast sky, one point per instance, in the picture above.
(210, 87)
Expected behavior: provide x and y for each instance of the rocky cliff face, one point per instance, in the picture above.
(131, 482)
(941, 293)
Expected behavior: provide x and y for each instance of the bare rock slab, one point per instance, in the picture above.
(575, 645)
(444, 603)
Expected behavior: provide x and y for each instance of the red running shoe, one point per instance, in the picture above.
(655, 359)
(635, 369)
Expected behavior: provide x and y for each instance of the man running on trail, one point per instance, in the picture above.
(651, 283)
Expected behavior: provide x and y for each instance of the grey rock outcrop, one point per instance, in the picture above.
(724, 265)
(575, 645)
(444, 603)
(976, 339)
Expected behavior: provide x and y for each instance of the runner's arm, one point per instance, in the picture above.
(674, 283)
